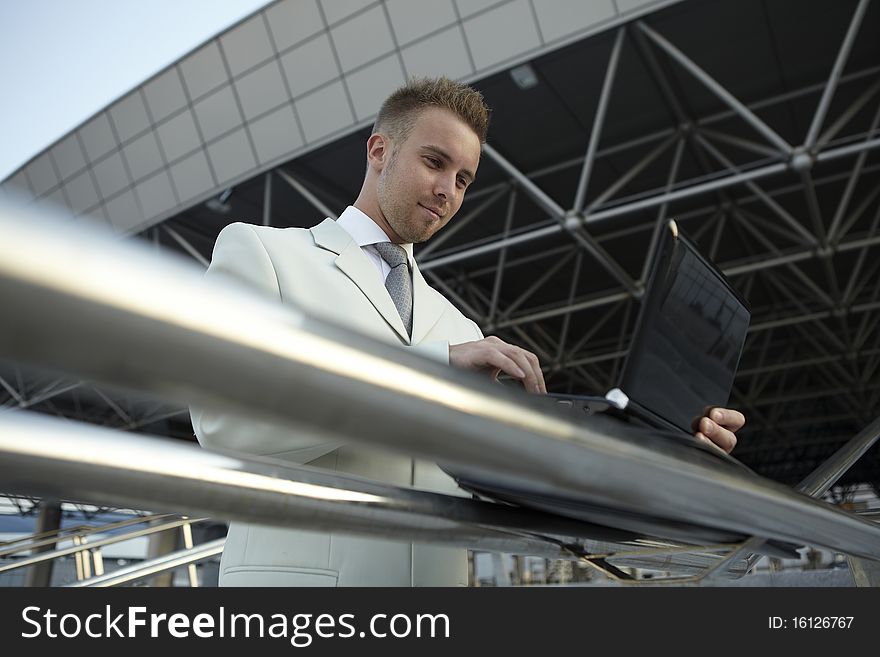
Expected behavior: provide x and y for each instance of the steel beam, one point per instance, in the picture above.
(839, 63)
(635, 170)
(598, 122)
(448, 231)
(725, 96)
(12, 391)
(558, 214)
(650, 202)
(186, 246)
(794, 224)
(306, 194)
(267, 198)
(851, 183)
(661, 215)
(502, 257)
(847, 115)
(572, 290)
(806, 362)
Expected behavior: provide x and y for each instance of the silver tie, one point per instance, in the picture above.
(398, 282)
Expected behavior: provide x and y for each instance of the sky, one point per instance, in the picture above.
(63, 60)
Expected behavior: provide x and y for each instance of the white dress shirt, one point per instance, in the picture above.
(366, 232)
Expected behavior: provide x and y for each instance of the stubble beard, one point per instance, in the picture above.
(397, 214)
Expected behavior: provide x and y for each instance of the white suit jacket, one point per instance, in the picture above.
(324, 272)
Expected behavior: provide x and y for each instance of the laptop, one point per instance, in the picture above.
(685, 350)
(686, 345)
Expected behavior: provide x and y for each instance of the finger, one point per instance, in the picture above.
(497, 359)
(728, 418)
(533, 381)
(538, 375)
(722, 437)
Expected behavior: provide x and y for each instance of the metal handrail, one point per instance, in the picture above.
(143, 471)
(166, 562)
(220, 344)
(61, 534)
(110, 540)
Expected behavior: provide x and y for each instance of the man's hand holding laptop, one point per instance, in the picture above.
(492, 356)
(718, 428)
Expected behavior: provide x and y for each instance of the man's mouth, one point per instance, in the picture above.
(435, 213)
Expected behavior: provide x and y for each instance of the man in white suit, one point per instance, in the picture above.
(359, 271)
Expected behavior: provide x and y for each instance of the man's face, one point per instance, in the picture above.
(423, 184)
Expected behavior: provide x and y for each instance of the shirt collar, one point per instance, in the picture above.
(364, 231)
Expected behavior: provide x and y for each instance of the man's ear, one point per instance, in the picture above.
(378, 151)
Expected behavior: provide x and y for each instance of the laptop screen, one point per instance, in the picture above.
(688, 338)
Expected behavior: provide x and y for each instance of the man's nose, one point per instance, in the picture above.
(443, 187)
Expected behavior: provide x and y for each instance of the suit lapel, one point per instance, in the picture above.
(352, 262)
(426, 308)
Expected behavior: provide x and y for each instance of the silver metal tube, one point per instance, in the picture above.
(186, 246)
(731, 269)
(306, 193)
(502, 256)
(819, 360)
(739, 142)
(539, 195)
(151, 322)
(690, 214)
(57, 536)
(635, 170)
(267, 198)
(10, 390)
(591, 246)
(162, 564)
(851, 149)
(546, 276)
(816, 484)
(851, 185)
(598, 122)
(13, 428)
(462, 221)
(45, 456)
(563, 335)
(491, 247)
(847, 115)
(652, 201)
(798, 228)
(556, 211)
(839, 63)
(822, 479)
(594, 302)
(661, 215)
(717, 89)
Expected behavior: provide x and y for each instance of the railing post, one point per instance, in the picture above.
(188, 544)
(161, 543)
(49, 520)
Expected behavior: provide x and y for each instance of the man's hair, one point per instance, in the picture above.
(399, 112)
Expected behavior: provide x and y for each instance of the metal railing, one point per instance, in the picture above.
(188, 557)
(152, 323)
(86, 549)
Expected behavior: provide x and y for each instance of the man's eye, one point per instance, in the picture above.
(434, 162)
